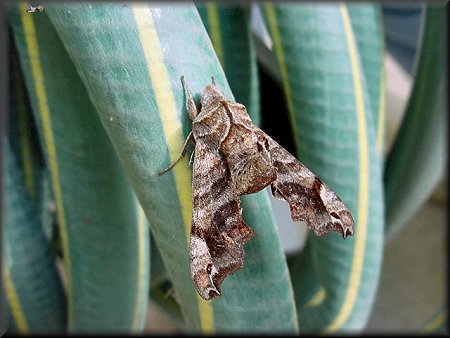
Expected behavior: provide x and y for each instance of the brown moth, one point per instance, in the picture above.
(233, 157)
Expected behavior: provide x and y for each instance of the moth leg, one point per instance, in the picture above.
(190, 104)
(191, 159)
(182, 154)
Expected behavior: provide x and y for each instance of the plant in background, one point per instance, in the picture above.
(100, 110)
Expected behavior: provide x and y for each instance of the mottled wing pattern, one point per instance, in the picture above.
(310, 200)
(218, 231)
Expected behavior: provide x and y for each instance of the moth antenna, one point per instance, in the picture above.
(213, 81)
(190, 104)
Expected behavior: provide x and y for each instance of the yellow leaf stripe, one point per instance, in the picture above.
(214, 28)
(359, 249)
(142, 238)
(172, 127)
(13, 301)
(436, 323)
(10, 290)
(318, 298)
(44, 112)
(363, 197)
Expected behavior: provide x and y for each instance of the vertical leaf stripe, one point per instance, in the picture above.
(44, 113)
(14, 303)
(363, 197)
(159, 76)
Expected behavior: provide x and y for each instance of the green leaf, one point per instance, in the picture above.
(30, 279)
(130, 58)
(22, 132)
(334, 280)
(25, 144)
(417, 159)
(104, 240)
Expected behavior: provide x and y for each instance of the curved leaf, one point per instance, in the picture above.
(417, 159)
(32, 286)
(104, 241)
(131, 57)
(22, 132)
(24, 141)
(334, 280)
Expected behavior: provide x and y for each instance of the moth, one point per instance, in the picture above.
(32, 9)
(233, 157)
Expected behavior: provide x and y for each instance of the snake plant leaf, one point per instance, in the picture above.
(34, 291)
(417, 159)
(228, 27)
(30, 279)
(368, 29)
(333, 127)
(22, 131)
(104, 240)
(130, 58)
(25, 144)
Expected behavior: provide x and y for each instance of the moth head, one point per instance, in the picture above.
(210, 94)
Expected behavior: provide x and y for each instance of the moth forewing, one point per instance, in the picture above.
(218, 231)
